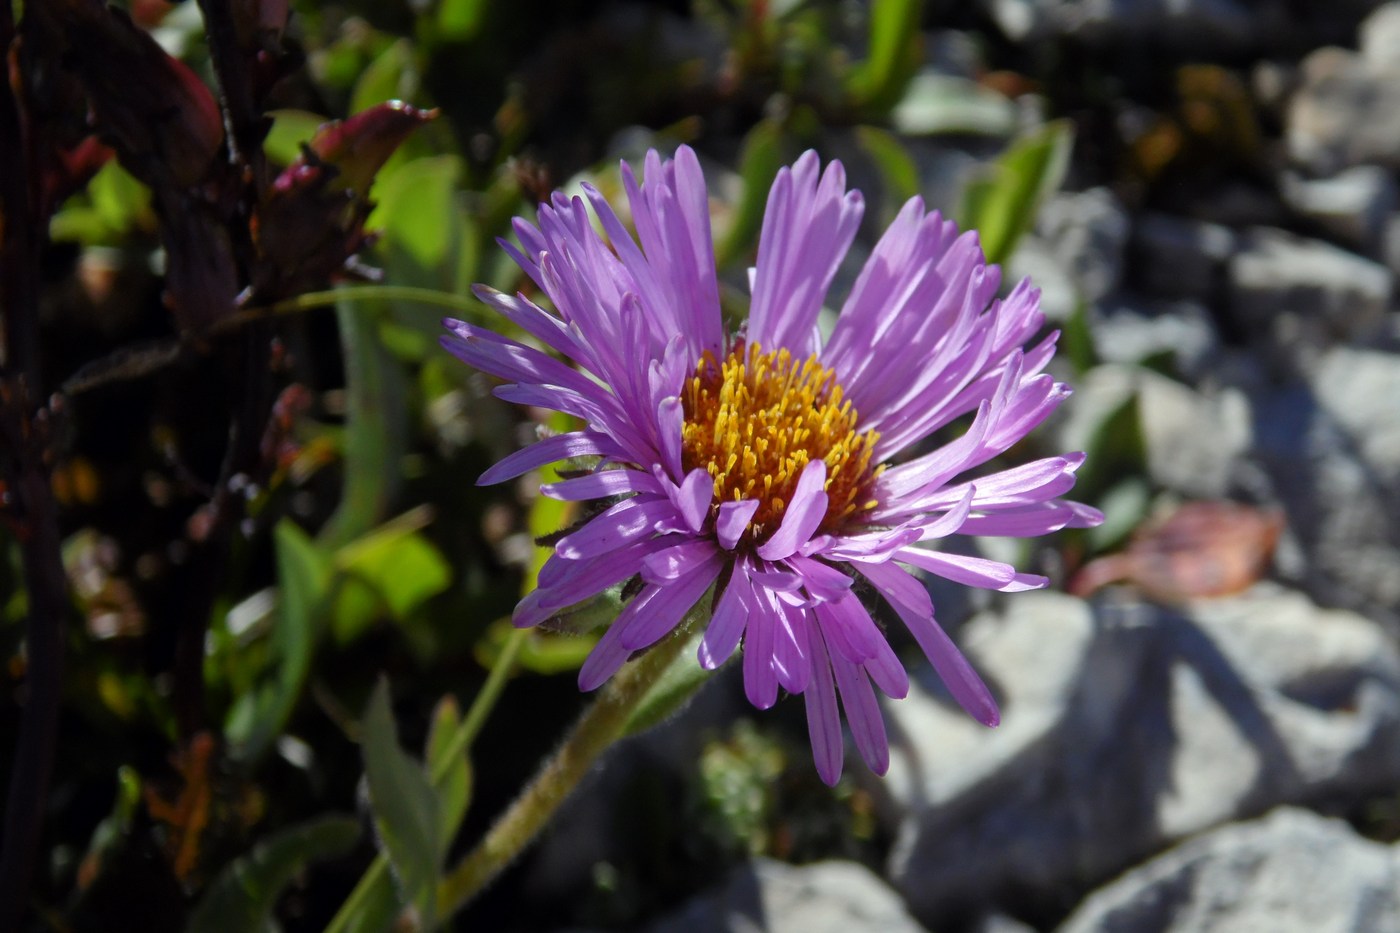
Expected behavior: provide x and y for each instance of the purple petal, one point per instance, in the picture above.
(604, 660)
(791, 662)
(822, 581)
(666, 566)
(911, 602)
(889, 675)
(727, 625)
(732, 521)
(803, 514)
(848, 628)
(969, 571)
(600, 485)
(549, 450)
(760, 681)
(629, 519)
(668, 605)
(693, 498)
(823, 719)
(863, 713)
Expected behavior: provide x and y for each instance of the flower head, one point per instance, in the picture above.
(771, 469)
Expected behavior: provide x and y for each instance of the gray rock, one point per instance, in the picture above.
(1213, 24)
(1344, 113)
(1331, 449)
(1352, 205)
(1126, 728)
(1086, 233)
(1291, 872)
(1379, 38)
(771, 897)
(1301, 296)
(1129, 331)
(1179, 258)
(1193, 441)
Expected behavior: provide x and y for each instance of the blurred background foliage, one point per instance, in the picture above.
(365, 553)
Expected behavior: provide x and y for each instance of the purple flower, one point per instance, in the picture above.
(776, 474)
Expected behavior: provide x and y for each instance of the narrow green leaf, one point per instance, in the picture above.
(407, 811)
(897, 169)
(879, 81)
(376, 433)
(1003, 206)
(759, 162)
(303, 580)
(455, 788)
(241, 899)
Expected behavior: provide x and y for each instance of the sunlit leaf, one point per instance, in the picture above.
(455, 789)
(1003, 205)
(393, 75)
(418, 210)
(290, 129)
(303, 580)
(407, 811)
(898, 172)
(878, 82)
(241, 899)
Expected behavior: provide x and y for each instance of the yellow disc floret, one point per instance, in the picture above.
(757, 419)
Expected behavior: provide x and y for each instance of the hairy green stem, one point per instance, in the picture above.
(599, 726)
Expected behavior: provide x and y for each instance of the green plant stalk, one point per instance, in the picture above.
(462, 739)
(599, 726)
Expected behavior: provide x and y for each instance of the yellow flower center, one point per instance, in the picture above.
(757, 419)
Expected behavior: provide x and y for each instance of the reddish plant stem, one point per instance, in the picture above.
(27, 473)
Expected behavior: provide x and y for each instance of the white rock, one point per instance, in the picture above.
(771, 897)
(1291, 872)
(1125, 729)
(1352, 205)
(1380, 38)
(1344, 113)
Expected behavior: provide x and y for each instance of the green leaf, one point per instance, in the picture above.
(455, 787)
(418, 209)
(303, 580)
(376, 432)
(393, 75)
(118, 198)
(459, 20)
(1003, 206)
(242, 898)
(937, 104)
(407, 811)
(672, 690)
(878, 82)
(392, 567)
(1125, 507)
(290, 128)
(759, 162)
(897, 169)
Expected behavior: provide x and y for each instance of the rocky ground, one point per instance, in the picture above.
(1184, 763)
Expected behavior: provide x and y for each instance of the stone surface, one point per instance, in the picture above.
(1352, 205)
(1301, 296)
(771, 897)
(1126, 728)
(1291, 872)
(1180, 258)
(1128, 330)
(1330, 447)
(1086, 233)
(1379, 38)
(1345, 112)
(1193, 441)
